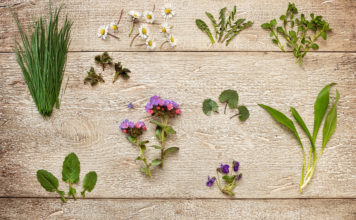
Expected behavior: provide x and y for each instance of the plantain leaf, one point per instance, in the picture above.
(330, 121)
(89, 182)
(320, 107)
(71, 169)
(47, 180)
(229, 96)
(244, 113)
(209, 106)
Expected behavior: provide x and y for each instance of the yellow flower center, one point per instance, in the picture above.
(102, 31)
(149, 16)
(114, 27)
(164, 30)
(150, 43)
(144, 31)
(167, 11)
(172, 39)
(135, 15)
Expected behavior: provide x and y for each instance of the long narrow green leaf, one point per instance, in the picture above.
(320, 107)
(301, 123)
(330, 121)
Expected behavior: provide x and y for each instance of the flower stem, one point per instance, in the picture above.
(164, 121)
(142, 154)
(113, 36)
(133, 39)
(132, 27)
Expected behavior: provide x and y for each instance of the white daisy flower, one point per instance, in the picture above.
(114, 27)
(103, 31)
(168, 11)
(172, 40)
(149, 16)
(165, 28)
(150, 44)
(143, 31)
(135, 15)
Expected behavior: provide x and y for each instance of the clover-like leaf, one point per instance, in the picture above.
(244, 114)
(209, 106)
(230, 97)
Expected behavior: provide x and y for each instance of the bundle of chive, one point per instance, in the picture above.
(42, 59)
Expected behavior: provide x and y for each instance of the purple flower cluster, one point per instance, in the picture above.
(210, 181)
(158, 106)
(225, 169)
(132, 129)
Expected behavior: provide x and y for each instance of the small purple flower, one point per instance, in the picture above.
(225, 168)
(140, 124)
(130, 106)
(125, 124)
(239, 177)
(210, 181)
(236, 165)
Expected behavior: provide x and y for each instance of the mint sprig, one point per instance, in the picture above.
(296, 32)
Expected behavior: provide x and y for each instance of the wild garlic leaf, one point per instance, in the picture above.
(209, 106)
(320, 107)
(156, 162)
(301, 123)
(230, 97)
(244, 114)
(71, 169)
(204, 28)
(330, 121)
(47, 180)
(89, 182)
(171, 150)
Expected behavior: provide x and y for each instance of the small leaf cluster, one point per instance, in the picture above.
(230, 98)
(296, 31)
(320, 112)
(70, 175)
(105, 60)
(226, 29)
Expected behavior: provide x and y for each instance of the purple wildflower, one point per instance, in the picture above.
(130, 106)
(210, 181)
(126, 124)
(225, 168)
(140, 124)
(158, 106)
(239, 177)
(236, 165)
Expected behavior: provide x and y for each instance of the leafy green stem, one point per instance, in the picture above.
(278, 41)
(300, 60)
(143, 157)
(132, 27)
(164, 121)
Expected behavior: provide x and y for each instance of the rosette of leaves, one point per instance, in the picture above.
(321, 106)
(230, 98)
(93, 78)
(226, 29)
(300, 33)
(103, 60)
(70, 175)
(120, 71)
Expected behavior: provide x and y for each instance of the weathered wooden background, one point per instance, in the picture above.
(87, 122)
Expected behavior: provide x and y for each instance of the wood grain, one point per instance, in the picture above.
(88, 15)
(88, 120)
(178, 209)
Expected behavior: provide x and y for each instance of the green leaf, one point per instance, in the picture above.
(156, 147)
(284, 120)
(315, 46)
(301, 123)
(138, 158)
(320, 107)
(170, 130)
(157, 123)
(330, 121)
(229, 96)
(280, 30)
(244, 114)
(275, 41)
(282, 18)
(171, 150)
(323, 35)
(273, 22)
(209, 105)
(266, 26)
(228, 179)
(71, 169)
(143, 170)
(204, 28)
(47, 180)
(132, 139)
(156, 162)
(89, 182)
(158, 133)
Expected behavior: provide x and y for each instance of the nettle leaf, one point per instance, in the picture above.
(156, 162)
(89, 182)
(230, 97)
(71, 169)
(330, 121)
(171, 150)
(244, 114)
(209, 106)
(320, 107)
(47, 180)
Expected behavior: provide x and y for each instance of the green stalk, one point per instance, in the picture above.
(279, 42)
(164, 121)
(142, 154)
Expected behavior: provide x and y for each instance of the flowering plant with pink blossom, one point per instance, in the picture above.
(164, 110)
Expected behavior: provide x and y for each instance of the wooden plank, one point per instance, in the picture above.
(88, 15)
(178, 209)
(88, 120)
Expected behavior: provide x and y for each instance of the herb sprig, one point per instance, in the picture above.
(93, 78)
(42, 58)
(226, 29)
(320, 111)
(296, 32)
(70, 175)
